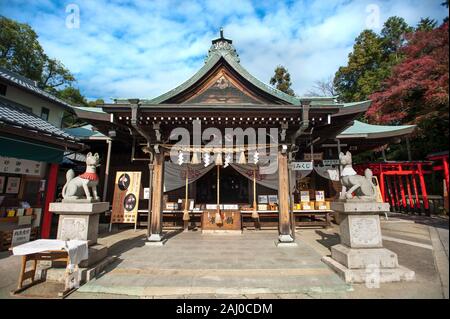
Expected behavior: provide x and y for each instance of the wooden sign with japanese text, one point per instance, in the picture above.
(127, 188)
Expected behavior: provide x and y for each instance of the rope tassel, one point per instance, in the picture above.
(218, 219)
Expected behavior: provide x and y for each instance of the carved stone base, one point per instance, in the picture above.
(156, 243)
(78, 220)
(355, 258)
(155, 238)
(284, 244)
(361, 258)
(86, 273)
(370, 275)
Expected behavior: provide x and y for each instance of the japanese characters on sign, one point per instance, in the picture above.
(314, 156)
(302, 166)
(13, 165)
(20, 236)
(126, 197)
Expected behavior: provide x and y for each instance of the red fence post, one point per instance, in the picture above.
(383, 187)
(424, 190)
(445, 164)
(402, 191)
(408, 188)
(50, 197)
(416, 192)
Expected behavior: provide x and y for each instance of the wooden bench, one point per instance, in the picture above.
(51, 255)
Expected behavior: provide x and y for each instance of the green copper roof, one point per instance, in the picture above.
(84, 132)
(360, 129)
(90, 109)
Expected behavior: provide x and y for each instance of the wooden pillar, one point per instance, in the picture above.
(284, 225)
(52, 182)
(150, 191)
(157, 198)
(408, 148)
(108, 159)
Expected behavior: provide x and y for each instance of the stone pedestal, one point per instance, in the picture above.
(79, 220)
(360, 257)
(285, 241)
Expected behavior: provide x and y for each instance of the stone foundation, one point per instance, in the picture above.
(360, 257)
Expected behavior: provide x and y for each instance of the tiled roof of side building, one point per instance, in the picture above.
(31, 86)
(14, 114)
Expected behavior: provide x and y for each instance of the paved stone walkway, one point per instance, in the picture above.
(192, 263)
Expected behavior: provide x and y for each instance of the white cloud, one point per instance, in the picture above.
(144, 48)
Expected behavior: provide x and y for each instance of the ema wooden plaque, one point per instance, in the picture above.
(127, 188)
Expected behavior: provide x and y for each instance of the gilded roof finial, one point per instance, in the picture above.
(221, 32)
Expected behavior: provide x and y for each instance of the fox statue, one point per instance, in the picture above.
(78, 187)
(362, 186)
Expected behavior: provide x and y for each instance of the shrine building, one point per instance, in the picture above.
(217, 179)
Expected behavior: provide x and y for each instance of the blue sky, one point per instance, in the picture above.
(145, 48)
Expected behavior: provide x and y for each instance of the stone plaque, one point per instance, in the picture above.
(73, 228)
(361, 231)
(365, 230)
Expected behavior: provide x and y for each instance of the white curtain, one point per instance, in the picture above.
(267, 180)
(328, 172)
(175, 175)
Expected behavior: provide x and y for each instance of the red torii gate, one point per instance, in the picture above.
(394, 177)
(443, 158)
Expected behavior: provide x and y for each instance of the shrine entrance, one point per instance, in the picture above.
(234, 188)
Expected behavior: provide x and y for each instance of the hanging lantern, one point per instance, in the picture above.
(242, 159)
(195, 159)
(219, 159)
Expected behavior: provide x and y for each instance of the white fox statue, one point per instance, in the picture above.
(77, 188)
(362, 186)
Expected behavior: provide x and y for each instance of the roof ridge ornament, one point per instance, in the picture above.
(222, 46)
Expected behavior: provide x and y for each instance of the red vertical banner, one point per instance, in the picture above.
(52, 182)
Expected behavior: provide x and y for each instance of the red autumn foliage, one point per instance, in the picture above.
(417, 89)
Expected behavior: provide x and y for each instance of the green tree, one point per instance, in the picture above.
(282, 80)
(96, 102)
(21, 52)
(73, 96)
(356, 80)
(394, 34)
(371, 60)
(426, 24)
